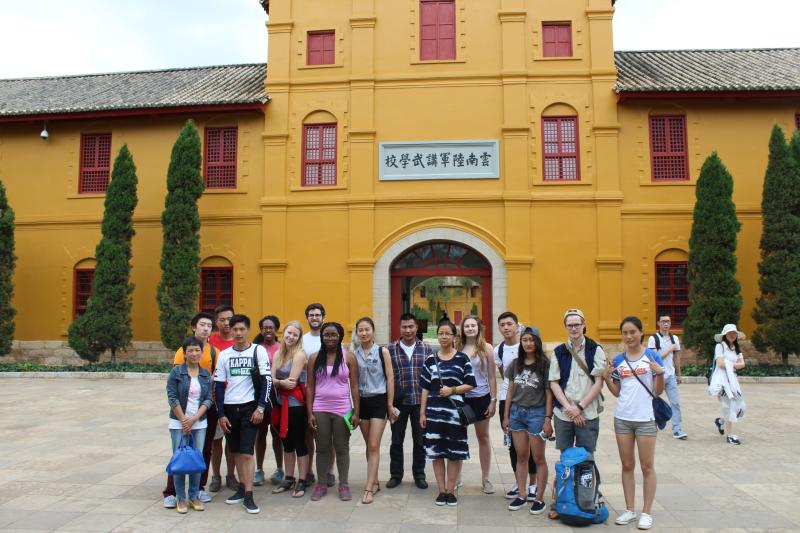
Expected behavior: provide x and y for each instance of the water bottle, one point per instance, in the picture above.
(507, 439)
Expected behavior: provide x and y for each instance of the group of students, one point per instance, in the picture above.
(310, 392)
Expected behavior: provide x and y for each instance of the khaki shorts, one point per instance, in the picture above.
(639, 429)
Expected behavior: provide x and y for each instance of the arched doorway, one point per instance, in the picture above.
(441, 278)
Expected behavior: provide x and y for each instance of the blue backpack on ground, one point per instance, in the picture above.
(578, 500)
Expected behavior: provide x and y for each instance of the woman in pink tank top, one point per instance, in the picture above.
(332, 393)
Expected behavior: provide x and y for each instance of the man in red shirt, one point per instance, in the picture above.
(222, 339)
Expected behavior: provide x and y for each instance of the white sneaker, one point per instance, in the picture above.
(645, 521)
(626, 518)
(532, 492)
(170, 502)
(459, 483)
(203, 496)
(487, 487)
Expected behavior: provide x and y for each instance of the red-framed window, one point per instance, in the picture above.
(219, 160)
(672, 290)
(319, 154)
(81, 290)
(557, 39)
(321, 48)
(95, 163)
(437, 30)
(216, 287)
(560, 148)
(668, 148)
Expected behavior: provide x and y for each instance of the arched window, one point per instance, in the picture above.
(216, 283)
(83, 280)
(319, 150)
(672, 286)
(560, 144)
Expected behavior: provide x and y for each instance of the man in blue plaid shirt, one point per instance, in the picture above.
(408, 356)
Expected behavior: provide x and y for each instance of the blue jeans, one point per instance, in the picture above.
(199, 436)
(671, 387)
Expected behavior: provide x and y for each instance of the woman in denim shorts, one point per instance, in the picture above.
(634, 423)
(529, 413)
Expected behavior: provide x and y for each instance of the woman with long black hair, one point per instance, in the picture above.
(376, 392)
(332, 393)
(529, 414)
(632, 374)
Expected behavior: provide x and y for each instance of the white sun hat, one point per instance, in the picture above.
(727, 329)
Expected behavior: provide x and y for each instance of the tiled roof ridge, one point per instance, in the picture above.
(679, 50)
(124, 72)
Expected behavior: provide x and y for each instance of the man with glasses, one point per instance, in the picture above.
(315, 316)
(576, 380)
(669, 347)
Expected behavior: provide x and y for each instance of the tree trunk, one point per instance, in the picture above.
(113, 356)
(784, 358)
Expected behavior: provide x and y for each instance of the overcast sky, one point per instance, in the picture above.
(54, 37)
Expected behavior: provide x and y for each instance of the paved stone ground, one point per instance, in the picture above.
(89, 455)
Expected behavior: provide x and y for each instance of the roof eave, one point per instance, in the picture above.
(137, 112)
(622, 96)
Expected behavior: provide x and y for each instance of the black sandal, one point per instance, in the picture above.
(286, 485)
(300, 488)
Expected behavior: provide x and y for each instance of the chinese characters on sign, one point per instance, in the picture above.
(438, 160)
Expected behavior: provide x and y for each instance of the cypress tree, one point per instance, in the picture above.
(180, 254)
(106, 324)
(778, 306)
(7, 260)
(713, 289)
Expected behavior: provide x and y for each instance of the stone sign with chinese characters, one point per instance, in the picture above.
(438, 160)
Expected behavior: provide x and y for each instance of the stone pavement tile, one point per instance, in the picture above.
(123, 506)
(420, 528)
(87, 478)
(44, 520)
(134, 475)
(150, 524)
(678, 498)
(40, 488)
(16, 530)
(779, 498)
(144, 492)
(95, 522)
(430, 515)
(83, 505)
(32, 502)
(102, 491)
(8, 516)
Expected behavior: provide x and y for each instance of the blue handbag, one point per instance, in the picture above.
(187, 459)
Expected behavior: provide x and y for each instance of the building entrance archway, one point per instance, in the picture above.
(440, 279)
(491, 274)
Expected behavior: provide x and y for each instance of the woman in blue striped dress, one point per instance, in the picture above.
(444, 379)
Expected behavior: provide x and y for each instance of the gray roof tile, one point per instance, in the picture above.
(776, 69)
(184, 87)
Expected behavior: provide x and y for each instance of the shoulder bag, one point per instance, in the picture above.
(662, 412)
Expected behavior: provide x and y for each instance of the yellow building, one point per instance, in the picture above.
(500, 140)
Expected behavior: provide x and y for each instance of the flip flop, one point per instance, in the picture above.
(363, 498)
(286, 485)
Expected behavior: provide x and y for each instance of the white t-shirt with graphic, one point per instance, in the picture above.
(634, 403)
(234, 368)
(509, 354)
(666, 342)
